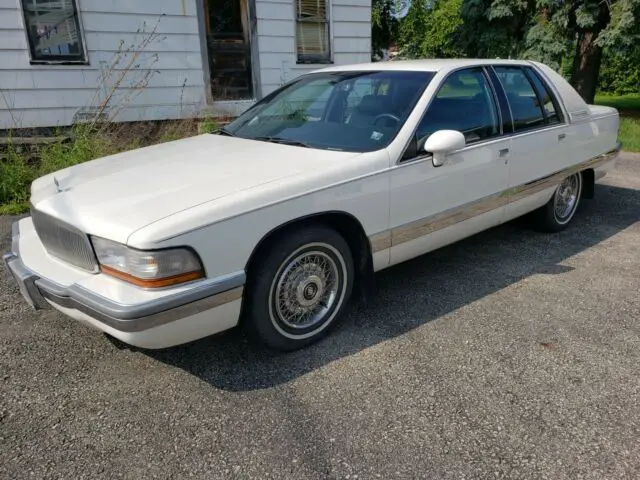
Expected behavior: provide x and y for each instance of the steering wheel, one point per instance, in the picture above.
(385, 115)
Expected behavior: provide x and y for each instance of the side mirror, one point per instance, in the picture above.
(442, 142)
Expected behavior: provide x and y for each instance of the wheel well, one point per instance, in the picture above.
(347, 226)
(588, 183)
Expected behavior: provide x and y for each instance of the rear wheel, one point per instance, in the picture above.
(299, 288)
(558, 212)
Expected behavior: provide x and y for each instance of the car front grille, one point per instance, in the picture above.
(64, 241)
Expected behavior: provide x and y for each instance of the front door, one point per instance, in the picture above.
(433, 206)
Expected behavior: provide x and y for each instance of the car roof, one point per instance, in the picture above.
(425, 65)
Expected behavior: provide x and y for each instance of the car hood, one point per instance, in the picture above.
(114, 196)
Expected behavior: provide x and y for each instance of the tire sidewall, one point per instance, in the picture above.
(259, 318)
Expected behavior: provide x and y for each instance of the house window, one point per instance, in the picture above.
(312, 31)
(53, 31)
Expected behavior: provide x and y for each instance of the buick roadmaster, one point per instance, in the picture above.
(274, 221)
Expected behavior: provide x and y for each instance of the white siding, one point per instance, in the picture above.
(350, 27)
(50, 95)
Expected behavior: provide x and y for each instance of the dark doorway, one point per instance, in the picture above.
(229, 49)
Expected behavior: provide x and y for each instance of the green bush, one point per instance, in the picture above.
(20, 167)
(620, 74)
(16, 176)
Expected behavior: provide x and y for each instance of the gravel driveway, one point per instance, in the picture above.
(512, 354)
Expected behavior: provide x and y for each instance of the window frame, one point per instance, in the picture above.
(528, 71)
(320, 59)
(508, 127)
(506, 114)
(80, 59)
(413, 140)
(522, 68)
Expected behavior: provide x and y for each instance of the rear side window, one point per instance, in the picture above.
(548, 100)
(525, 106)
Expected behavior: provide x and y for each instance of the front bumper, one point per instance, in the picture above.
(206, 307)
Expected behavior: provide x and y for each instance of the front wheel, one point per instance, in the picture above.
(558, 212)
(299, 289)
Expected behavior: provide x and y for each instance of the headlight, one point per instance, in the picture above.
(160, 268)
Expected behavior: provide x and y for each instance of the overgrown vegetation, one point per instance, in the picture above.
(21, 164)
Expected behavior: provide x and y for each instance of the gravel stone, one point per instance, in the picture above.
(512, 354)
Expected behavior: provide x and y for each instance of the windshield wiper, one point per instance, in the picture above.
(224, 131)
(284, 141)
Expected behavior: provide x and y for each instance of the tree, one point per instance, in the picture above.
(429, 29)
(553, 30)
(494, 28)
(570, 36)
(384, 28)
(583, 30)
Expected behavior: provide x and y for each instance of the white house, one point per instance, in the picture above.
(65, 60)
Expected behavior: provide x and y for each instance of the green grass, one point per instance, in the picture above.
(630, 134)
(629, 102)
(629, 108)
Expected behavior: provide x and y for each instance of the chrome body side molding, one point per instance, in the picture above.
(425, 226)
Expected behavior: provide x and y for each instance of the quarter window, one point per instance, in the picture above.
(465, 102)
(525, 106)
(53, 30)
(312, 31)
(549, 103)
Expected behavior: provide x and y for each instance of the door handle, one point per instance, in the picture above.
(562, 136)
(504, 153)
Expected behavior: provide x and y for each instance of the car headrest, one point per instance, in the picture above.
(372, 104)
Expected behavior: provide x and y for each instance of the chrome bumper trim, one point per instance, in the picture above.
(203, 295)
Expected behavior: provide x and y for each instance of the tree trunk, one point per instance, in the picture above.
(586, 66)
(588, 57)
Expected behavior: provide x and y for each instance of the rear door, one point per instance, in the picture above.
(432, 206)
(541, 142)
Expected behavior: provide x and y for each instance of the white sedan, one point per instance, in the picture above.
(274, 221)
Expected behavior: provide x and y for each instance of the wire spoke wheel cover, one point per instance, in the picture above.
(566, 198)
(307, 290)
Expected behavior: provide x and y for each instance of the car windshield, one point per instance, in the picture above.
(355, 111)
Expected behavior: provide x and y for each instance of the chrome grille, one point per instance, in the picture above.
(64, 241)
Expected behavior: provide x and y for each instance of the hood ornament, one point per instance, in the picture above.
(59, 189)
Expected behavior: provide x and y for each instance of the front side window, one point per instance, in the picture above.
(312, 31)
(525, 107)
(465, 102)
(351, 111)
(53, 31)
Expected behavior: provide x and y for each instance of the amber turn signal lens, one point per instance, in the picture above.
(153, 283)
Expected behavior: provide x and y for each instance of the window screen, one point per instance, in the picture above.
(53, 30)
(312, 31)
(523, 101)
